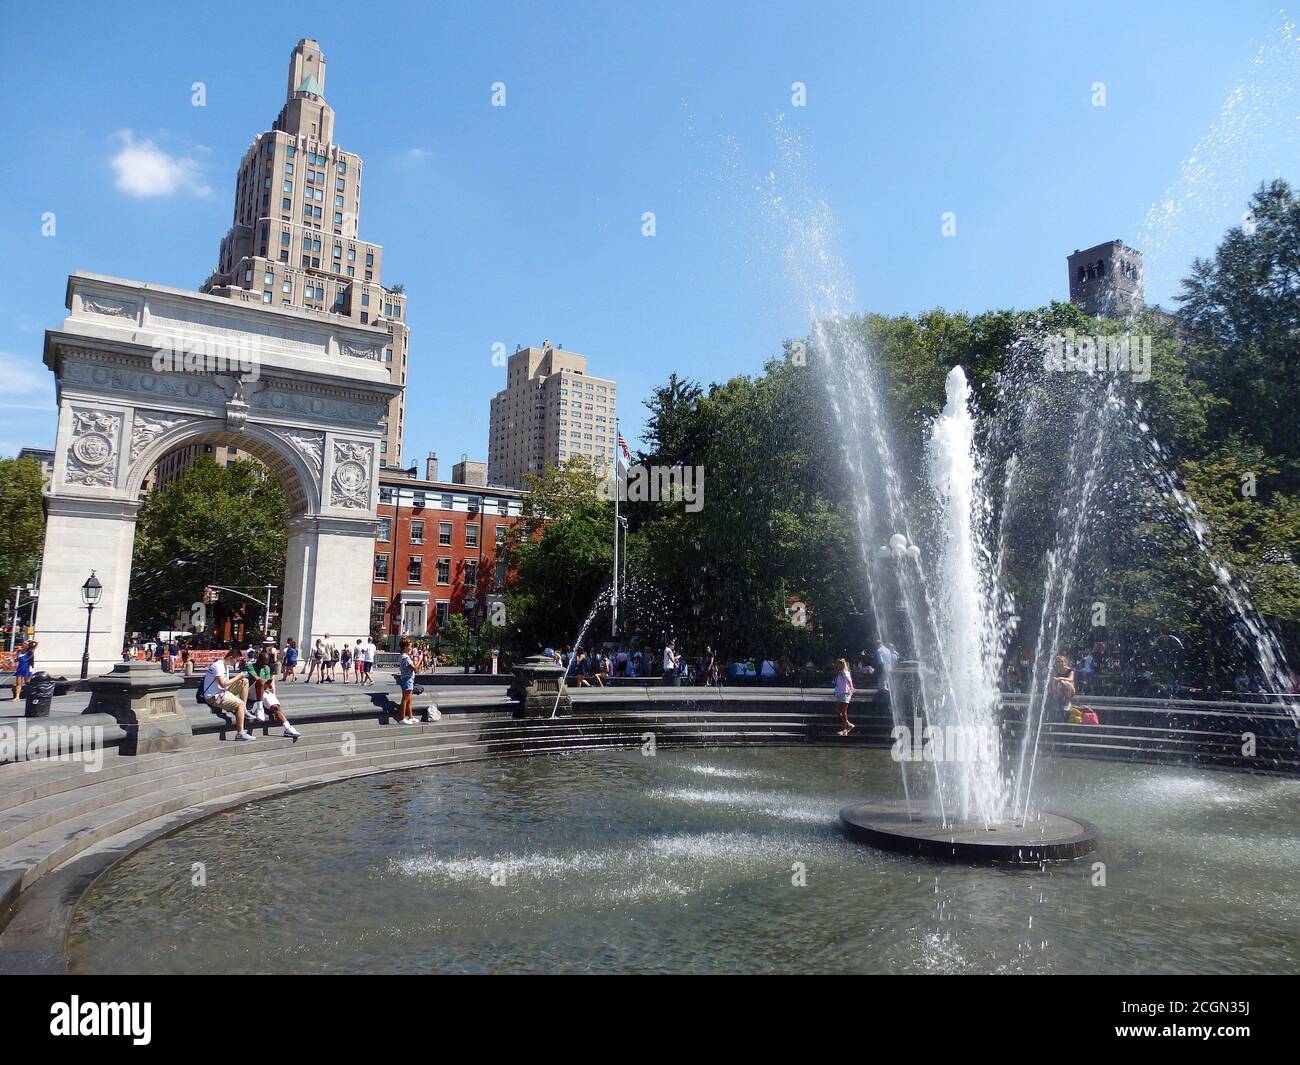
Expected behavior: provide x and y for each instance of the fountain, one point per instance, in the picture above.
(969, 815)
(1079, 434)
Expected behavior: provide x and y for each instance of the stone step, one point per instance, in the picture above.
(47, 776)
(39, 805)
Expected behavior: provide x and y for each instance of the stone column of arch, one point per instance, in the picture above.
(143, 369)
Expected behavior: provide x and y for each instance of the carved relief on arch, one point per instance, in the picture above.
(148, 425)
(309, 445)
(93, 448)
(350, 484)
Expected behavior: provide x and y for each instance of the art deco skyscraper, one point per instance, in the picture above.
(294, 239)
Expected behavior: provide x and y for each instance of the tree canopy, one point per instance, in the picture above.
(775, 538)
(212, 525)
(22, 531)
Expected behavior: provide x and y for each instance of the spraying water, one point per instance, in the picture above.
(966, 623)
(602, 598)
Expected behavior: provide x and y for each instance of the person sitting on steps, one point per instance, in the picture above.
(226, 690)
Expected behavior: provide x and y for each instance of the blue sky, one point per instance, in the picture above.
(534, 210)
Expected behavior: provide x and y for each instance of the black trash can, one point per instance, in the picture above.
(38, 693)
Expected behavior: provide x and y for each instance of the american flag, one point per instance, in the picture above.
(623, 446)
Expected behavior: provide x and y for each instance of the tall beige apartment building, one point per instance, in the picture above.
(294, 241)
(550, 409)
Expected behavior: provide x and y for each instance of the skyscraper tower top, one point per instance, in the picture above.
(295, 239)
(305, 111)
(306, 69)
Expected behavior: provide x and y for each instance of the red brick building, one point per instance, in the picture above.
(436, 540)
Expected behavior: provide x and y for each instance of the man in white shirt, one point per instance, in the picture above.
(670, 664)
(885, 663)
(226, 694)
(368, 660)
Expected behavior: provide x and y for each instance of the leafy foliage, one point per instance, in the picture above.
(776, 530)
(212, 525)
(23, 530)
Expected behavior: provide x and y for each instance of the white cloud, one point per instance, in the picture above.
(27, 381)
(27, 409)
(144, 170)
(418, 155)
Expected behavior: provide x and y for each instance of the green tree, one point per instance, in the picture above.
(212, 525)
(561, 553)
(22, 529)
(1242, 313)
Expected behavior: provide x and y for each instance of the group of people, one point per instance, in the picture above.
(357, 661)
(243, 685)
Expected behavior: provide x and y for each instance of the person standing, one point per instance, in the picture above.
(884, 663)
(843, 696)
(406, 682)
(331, 659)
(1085, 674)
(26, 666)
(317, 665)
(670, 664)
(290, 672)
(345, 658)
(368, 661)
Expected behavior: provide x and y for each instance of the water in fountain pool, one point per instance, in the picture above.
(688, 862)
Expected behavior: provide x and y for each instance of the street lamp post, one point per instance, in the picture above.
(90, 593)
(17, 604)
(896, 550)
(471, 601)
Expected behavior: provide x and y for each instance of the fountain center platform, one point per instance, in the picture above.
(1041, 838)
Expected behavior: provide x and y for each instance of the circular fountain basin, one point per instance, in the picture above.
(1045, 838)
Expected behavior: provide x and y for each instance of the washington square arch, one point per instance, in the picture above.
(144, 369)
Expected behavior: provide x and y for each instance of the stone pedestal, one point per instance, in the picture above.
(905, 698)
(538, 687)
(146, 703)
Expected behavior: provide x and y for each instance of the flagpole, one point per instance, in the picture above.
(613, 599)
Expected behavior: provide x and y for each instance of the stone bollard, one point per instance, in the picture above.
(144, 700)
(537, 687)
